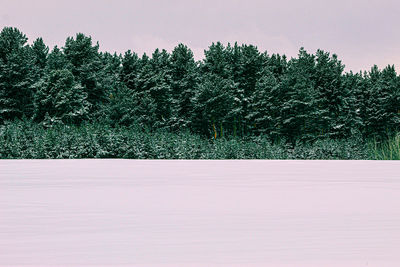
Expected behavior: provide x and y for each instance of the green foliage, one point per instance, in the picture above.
(332, 96)
(56, 60)
(382, 101)
(40, 51)
(247, 64)
(385, 150)
(153, 91)
(263, 106)
(129, 70)
(234, 94)
(17, 75)
(27, 140)
(214, 104)
(86, 66)
(217, 61)
(60, 98)
(298, 118)
(184, 80)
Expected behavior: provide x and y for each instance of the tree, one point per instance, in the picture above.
(40, 50)
(183, 72)
(381, 118)
(214, 105)
(298, 118)
(332, 95)
(109, 73)
(354, 106)
(246, 62)
(130, 69)
(86, 66)
(276, 63)
(225, 63)
(160, 87)
(263, 112)
(56, 60)
(216, 61)
(123, 106)
(61, 98)
(17, 75)
(131, 102)
(154, 84)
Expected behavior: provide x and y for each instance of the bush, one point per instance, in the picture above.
(23, 139)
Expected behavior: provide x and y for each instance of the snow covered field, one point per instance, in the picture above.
(199, 213)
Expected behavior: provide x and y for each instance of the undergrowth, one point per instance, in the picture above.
(27, 140)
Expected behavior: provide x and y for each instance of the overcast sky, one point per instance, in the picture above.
(360, 32)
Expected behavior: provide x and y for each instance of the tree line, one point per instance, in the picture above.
(236, 90)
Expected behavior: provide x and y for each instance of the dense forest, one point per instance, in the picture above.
(235, 93)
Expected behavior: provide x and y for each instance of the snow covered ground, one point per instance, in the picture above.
(199, 213)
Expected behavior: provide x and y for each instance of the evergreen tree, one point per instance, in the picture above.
(109, 80)
(130, 70)
(234, 90)
(86, 66)
(298, 119)
(263, 111)
(276, 63)
(153, 87)
(217, 65)
(60, 98)
(214, 105)
(110, 72)
(128, 107)
(247, 68)
(56, 60)
(122, 105)
(351, 114)
(332, 96)
(382, 102)
(131, 102)
(216, 61)
(17, 75)
(160, 89)
(184, 80)
(40, 50)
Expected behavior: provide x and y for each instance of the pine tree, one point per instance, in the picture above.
(390, 84)
(153, 86)
(60, 98)
(122, 105)
(276, 63)
(184, 80)
(246, 67)
(216, 61)
(131, 103)
(217, 65)
(353, 104)
(17, 75)
(86, 66)
(262, 109)
(332, 96)
(130, 69)
(381, 118)
(56, 60)
(40, 50)
(128, 107)
(298, 112)
(214, 105)
(110, 72)
(160, 89)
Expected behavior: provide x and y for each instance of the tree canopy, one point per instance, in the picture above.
(235, 90)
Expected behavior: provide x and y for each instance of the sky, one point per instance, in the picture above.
(362, 33)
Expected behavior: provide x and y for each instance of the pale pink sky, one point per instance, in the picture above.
(361, 32)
